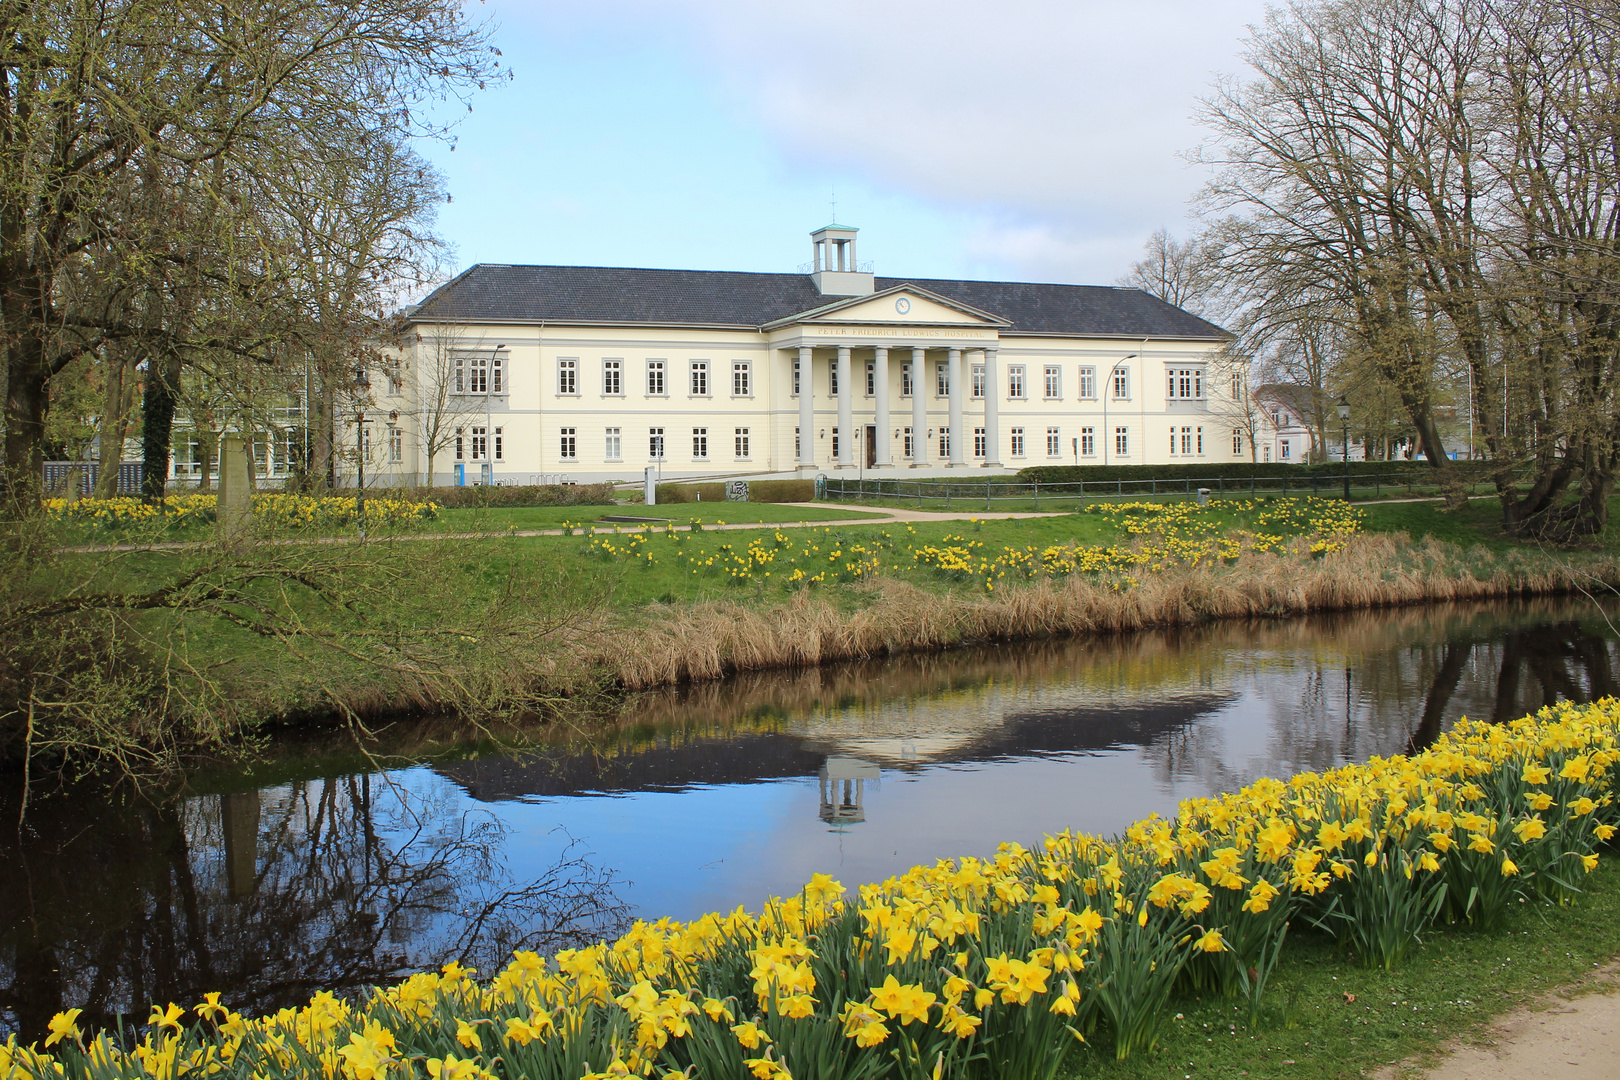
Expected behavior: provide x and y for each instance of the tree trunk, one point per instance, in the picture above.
(157, 424)
(114, 420)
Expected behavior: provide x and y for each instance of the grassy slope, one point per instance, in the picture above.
(1456, 982)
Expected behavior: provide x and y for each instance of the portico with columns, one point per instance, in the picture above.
(891, 379)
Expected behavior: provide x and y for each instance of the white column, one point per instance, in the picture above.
(954, 373)
(807, 410)
(992, 412)
(920, 386)
(846, 432)
(880, 376)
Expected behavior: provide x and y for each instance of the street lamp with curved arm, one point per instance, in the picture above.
(1109, 389)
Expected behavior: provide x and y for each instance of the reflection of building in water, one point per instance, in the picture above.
(852, 773)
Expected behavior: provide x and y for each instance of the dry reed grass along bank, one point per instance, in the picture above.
(708, 641)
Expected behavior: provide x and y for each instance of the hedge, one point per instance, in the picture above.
(455, 498)
(1228, 470)
(760, 491)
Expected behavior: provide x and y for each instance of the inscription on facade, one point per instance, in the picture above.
(902, 331)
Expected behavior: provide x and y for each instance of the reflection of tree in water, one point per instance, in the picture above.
(1533, 666)
(353, 882)
(1390, 682)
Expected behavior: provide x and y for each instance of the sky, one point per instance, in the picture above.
(1036, 140)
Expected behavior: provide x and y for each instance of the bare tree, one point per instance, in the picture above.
(443, 405)
(196, 96)
(1179, 272)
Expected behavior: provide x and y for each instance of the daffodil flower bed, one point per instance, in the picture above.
(976, 967)
(273, 509)
(1160, 535)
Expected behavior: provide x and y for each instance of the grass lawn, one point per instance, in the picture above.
(1310, 1030)
(551, 517)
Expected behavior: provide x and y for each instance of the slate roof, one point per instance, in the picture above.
(617, 295)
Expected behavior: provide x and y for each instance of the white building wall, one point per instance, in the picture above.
(532, 412)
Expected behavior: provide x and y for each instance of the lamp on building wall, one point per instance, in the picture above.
(1344, 418)
(1108, 392)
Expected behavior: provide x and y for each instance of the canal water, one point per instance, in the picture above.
(331, 870)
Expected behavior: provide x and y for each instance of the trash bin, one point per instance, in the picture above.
(1203, 496)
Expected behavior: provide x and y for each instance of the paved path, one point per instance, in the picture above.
(1567, 1036)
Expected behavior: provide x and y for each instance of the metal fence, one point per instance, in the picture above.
(57, 474)
(990, 491)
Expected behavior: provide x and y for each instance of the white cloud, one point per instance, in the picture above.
(1065, 117)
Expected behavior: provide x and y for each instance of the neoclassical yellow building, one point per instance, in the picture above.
(526, 374)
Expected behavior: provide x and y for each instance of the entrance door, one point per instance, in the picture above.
(871, 446)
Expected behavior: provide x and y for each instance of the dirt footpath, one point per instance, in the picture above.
(1571, 1035)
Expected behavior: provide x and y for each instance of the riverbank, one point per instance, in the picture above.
(274, 630)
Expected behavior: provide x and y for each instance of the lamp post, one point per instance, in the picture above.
(1108, 391)
(1344, 418)
(360, 423)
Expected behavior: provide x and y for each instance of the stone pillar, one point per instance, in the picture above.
(882, 458)
(807, 409)
(992, 412)
(234, 505)
(846, 430)
(920, 388)
(954, 374)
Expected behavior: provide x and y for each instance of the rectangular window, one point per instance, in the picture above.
(1122, 441)
(1186, 383)
(290, 449)
(1054, 382)
(832, 379)
(655, 378)
(976, 383)
(396, 445)
(499, 450)
(1016, 436)
(979, 442)
(944, 442)
(1237, 442)
(741, 383)
(1199, 441)
(655, 443)
(478, 372)
(835, 444)
(480, 444)
(567, 376)
(569, 449)
(461, 447)
(1088, 382)
(1015, 381)
(1237, 387)
(1186, 441)
(396, 385)
(798, 446)
(611, 444)
(1122, 383)
(910, 450)
(905, 380)
(612, 377)
(700, 378)
(1287, 450)
(700, 444)
(1088, 442)
(942, 380)
(795, 378)
(1054, 442)
(742, 442)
